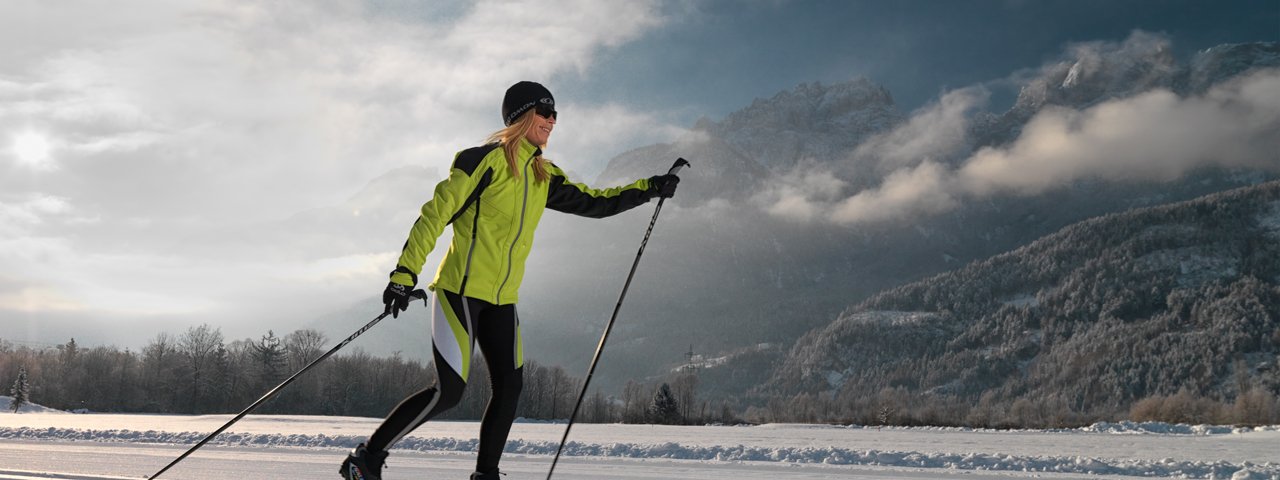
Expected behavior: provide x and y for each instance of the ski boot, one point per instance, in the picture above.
(363, 464)
(486, 476)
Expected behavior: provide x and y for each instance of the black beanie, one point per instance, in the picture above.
(522, 97)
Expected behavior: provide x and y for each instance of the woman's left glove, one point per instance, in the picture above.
(663, 186)
(396, 296)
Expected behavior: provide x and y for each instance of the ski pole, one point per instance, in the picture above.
(680, 163)
(415, 294)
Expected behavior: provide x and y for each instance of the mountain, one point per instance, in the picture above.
(725, 275)
(1088, 320)
(1219, 63)
(813, 121)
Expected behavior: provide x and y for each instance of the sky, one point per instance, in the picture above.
(164, 164)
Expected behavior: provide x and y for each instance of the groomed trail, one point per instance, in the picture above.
(268, 463)
(29, 475)
(286, 446)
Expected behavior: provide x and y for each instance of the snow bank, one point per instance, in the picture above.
(1120, 428)
(1158, 428)
(6, 406)
(676, 451)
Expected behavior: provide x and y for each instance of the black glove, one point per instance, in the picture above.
(663, 185)
(396, 298)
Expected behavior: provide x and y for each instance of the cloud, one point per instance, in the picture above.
(907, 161)
(30, 299)
(933, 133)
(905, 193)
(1153, 136)
(233, 96)
(803, 193)
(178, 124)
(32, 209)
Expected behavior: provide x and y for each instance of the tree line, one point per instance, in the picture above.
(199, 372)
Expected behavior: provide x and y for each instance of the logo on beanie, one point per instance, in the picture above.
(524, 108)
(518, 111)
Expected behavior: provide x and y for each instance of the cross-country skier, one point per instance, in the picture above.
(494, 196)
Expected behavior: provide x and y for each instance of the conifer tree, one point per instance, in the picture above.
(664, 409)
(21, 391)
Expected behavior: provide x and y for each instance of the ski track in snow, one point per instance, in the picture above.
(1167, 467)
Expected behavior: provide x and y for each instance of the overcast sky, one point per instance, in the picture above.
(150, 151)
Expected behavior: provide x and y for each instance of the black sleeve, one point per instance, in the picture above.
(578, 199)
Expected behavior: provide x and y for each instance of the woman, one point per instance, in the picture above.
(494, 196)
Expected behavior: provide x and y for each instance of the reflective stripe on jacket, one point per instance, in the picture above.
(494, 214)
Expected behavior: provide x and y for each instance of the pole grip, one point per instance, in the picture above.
(422, 294)
(680, 163)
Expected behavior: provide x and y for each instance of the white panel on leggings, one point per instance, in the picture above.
(442, 336)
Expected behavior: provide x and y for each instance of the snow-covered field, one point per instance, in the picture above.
(291, 447)
(6, 405)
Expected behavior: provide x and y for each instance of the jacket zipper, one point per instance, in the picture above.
(524, 203)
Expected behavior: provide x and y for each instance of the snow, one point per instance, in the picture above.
(6, 406)
(1170, 429)
(1024, 300)
(702, 362)
(1110, 449)
(1073, 76)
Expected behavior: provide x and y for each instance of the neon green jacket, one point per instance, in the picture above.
(494, 215)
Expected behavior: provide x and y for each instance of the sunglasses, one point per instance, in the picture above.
(545, 111)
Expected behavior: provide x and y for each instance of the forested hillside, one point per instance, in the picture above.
(1178, 301)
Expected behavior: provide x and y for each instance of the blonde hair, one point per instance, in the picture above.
(509, 138)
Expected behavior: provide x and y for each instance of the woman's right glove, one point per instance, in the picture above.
(663, 186)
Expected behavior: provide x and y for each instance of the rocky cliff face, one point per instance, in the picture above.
(813, 122)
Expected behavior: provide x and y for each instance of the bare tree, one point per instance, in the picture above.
(199, 348)
(635, 403)
(304, 346)
(158, 358)
(685, 389)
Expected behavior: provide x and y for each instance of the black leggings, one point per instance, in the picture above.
(458, 323)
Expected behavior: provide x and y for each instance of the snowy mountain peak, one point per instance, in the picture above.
(811, 105)
(1101, 70)
(812, 121)
(1215, 64)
